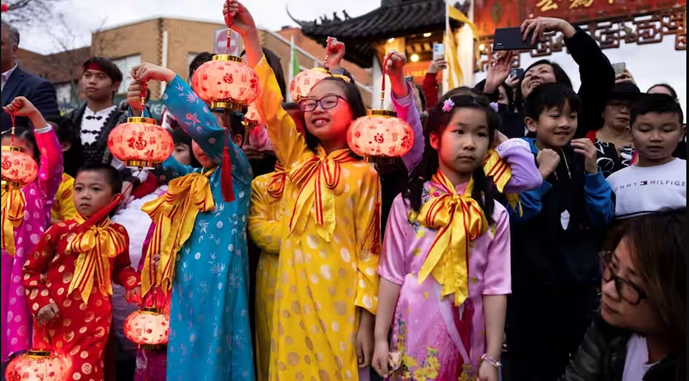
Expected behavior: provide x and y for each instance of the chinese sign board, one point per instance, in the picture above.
(492, 14)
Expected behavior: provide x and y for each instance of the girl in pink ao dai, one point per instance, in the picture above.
(445, 267)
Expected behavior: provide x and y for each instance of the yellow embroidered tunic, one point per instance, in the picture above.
(264, 229)
(324, 272)
(63, 208)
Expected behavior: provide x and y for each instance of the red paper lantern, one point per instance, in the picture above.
(380, 136)
(303, 83)
(147, 327)
(37, 365)
(252, 118)
(226, 82)
(140, 143)
(18, 168)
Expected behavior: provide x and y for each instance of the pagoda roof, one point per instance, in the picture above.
(394, 18)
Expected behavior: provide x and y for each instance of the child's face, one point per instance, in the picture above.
(655, 136)
(92, 192)
(331, 123)
(201, 156)
(463, 144)
(19, 142)
(97, 85)
(554, 128)
(182, 153)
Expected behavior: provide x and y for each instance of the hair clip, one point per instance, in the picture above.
(448, 105)
(495, 106)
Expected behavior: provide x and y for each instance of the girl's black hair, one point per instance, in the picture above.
(27, 134)
(274, 62)
(436, 123)
(550, 95)
(669, 88)
(179, 136)
(66, 133)
(561, 77)
(508, 91)
(112, 175)
(356, 104)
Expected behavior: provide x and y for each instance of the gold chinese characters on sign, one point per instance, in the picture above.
(641, 30)
(550, 5)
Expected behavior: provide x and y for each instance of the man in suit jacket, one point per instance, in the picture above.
(16, 82)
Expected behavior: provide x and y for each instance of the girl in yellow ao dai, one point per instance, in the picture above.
(264, 229)
(330, 240)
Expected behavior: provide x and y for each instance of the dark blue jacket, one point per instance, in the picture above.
(36, 89)
(559, 235)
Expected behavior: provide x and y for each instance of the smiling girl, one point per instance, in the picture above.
(326, 294)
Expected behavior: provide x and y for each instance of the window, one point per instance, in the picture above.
(126, 64)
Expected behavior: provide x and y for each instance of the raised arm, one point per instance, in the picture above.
(288, 143)
(51, 160)
(263, 229)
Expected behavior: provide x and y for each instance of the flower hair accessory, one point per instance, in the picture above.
(495, 106)
(448, 105)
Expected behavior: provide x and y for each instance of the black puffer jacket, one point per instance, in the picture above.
(602, 355)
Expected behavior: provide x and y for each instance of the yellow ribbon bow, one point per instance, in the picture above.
(276, 184)
(497, 168)
(459, 220)
(320, 181)
(174, 214)
(95, 246)
(13, 204)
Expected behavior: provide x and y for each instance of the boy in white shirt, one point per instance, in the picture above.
(657, 181)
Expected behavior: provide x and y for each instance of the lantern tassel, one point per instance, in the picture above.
(226, 172)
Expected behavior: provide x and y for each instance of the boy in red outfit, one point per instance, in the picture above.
(72, 299)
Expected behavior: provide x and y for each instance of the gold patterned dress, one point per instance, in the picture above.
(264, 228)
(330, 249)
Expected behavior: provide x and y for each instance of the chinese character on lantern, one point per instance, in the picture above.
(140, 143)
(147, 327)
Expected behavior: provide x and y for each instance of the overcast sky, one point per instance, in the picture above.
(87, 15)
(650, 64)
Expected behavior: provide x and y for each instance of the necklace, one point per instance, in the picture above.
(569, 172)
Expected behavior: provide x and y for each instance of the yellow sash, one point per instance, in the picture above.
(494, 166)
(459, 220)
(13, 204)
(319, 179)
(95, 246)
(174, 214)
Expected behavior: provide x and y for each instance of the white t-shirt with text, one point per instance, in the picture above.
(644, 190)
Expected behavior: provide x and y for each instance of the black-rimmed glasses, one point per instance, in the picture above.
(625, 289)
(327, 102)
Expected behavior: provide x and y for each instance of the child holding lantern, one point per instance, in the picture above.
(200, 235)
(25, 216)
(68, 278)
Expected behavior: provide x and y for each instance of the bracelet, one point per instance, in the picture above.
(491, 361)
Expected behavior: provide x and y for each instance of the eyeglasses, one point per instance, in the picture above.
(327, 102)
(625, 289)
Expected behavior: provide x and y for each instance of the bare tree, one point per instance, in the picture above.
(71, 49)
(30, 12)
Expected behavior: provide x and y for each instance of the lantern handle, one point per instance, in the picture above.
(13, 115)
(328, 49)
(382, 85)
